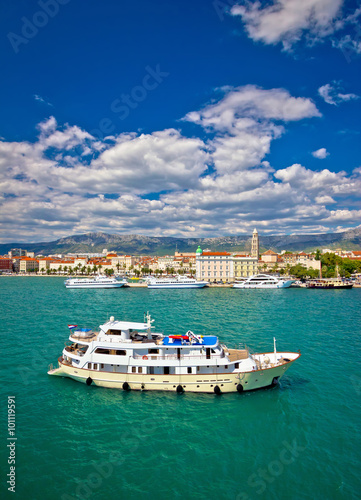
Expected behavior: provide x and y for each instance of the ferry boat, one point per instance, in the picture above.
(128, 355)
(177, 282)
(263, 281)
(330, 284)
(95, 282)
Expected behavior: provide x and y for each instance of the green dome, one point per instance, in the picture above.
(199, 250)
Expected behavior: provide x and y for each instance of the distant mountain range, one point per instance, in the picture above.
(146, 245)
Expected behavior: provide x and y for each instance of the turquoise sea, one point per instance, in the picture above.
(300, 440)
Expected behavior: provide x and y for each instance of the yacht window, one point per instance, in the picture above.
(100, 350)
(166, 370)
(134, 369)
(95, 366)
(121, 353)
(153, 351)
(140, 369)
(114, 332)
(189, 369)
(236, 365)
(102, 365)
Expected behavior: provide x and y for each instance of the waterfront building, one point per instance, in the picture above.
(122, 263)
(44, 263)
(245, 266)
(214, 266)
(270, 257)
(61, 264)
(6, 264)
(307, 260)
(28, 264)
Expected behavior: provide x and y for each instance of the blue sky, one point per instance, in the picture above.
(185, 118)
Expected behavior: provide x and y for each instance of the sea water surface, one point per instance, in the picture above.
(300, 440)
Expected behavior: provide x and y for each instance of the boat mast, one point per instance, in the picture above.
(149, 325)
(274, 349)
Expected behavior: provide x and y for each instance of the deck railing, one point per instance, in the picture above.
(156, 357)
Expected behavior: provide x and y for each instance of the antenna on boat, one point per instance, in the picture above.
(274, 349)
(149, 325)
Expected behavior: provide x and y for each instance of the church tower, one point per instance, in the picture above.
(255, 245)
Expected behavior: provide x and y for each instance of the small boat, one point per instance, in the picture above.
(95, 282)
(329, 284)
(127, 355)
(263, 281)
(177, 282)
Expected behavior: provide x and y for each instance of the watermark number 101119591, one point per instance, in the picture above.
(11, 445)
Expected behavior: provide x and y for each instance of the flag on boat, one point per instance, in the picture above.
(72, 326)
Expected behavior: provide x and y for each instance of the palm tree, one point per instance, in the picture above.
(60, 269)
(65, 269)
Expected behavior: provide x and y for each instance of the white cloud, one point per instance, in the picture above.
(164, 183)
(42, 100)
(242, 107)
(324, 200)
(320, 153)
(246, 120)
(290, 21)
(332, 95)
(287, 21)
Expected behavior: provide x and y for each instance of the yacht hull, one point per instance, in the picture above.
(204, 383)
(94, 285)
(201, 285)
(285, 284)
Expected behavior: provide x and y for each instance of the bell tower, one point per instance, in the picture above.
(255, 245)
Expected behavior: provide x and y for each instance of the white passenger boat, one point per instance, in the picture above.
(94, 282)
(263, 281)
(126, 355)
(177, 282)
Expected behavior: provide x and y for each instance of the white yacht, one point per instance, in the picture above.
(126, 355)
(94, 282)
(263, 281)
(177, 282)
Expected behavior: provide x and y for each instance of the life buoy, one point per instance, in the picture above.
(145, 357)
